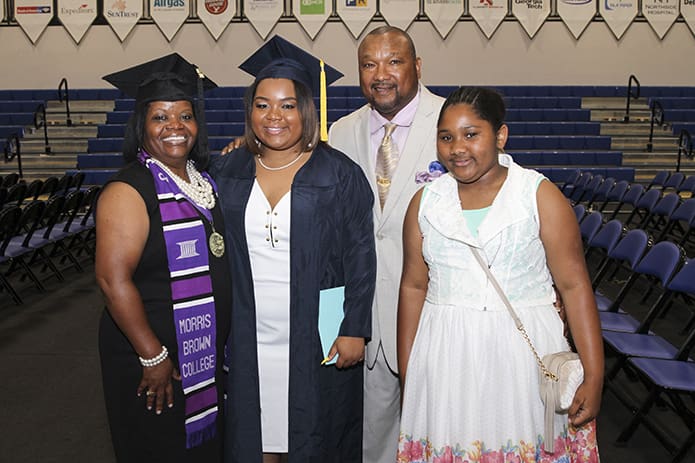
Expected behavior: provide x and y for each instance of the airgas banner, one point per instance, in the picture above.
(688, 13)
(122, 15)
(355, 14)
(216, 15)
(576, 14)
(169, 15)
(531, 14)
(399, 13)
(263, 14)
(312, 14)
(444, 14)
(77, 16)
(660, 14)
(618, 14)
(33, 16)
(488, 14)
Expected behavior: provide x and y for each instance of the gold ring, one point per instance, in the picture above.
(150, 393)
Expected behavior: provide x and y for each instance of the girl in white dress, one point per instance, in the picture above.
(471, 390)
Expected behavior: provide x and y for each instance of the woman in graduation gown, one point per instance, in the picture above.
(299, 220)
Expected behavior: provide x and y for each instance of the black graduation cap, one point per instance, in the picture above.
(281, 59)
(169, 78)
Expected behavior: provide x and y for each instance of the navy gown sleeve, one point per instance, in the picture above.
(358, 254)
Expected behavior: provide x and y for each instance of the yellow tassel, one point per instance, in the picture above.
(323, 111)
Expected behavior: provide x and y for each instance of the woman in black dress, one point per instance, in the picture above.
(161, 264)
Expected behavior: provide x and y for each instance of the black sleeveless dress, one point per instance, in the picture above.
(140, 435)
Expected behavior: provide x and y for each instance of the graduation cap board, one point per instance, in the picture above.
(169, 78)
(281, 59)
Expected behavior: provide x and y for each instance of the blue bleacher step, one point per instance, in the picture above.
(62, 131)
(81, 106)
(633, 128)
(81, 112)
(61, 146)
(618, 115)
(635, 143)
(613, 103)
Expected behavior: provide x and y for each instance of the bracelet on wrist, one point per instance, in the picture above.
(156, 360)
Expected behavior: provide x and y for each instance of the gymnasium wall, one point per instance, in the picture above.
(466, 56)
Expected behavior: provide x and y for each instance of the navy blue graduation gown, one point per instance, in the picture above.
(331, 244)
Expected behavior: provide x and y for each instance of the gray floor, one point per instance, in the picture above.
(50, 388)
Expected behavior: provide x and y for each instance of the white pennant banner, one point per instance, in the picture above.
(77, 16)
(444, 14)
(169, 15)
(355, 14)
(618, 14)
(312, 14)
(33, 16)
(688, 13)
(263, 14)
(531, 14)
(576, 14)
(399, 13)
(660, 14)
(122, 15)
(488, 14)
(216, 14)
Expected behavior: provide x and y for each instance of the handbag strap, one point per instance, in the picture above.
(517, 321)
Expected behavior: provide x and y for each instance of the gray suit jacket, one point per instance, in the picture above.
(350, 134)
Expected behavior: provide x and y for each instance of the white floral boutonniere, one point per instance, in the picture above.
(434, 170)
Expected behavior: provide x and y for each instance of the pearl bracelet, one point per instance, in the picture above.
(156, 360)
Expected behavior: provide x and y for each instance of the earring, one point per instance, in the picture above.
(258, 143)
(309, 145)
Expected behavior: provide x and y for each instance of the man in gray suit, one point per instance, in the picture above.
(389, 78)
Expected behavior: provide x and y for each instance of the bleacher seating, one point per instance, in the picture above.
(549, 130)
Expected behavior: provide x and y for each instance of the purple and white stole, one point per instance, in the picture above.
(193, 302)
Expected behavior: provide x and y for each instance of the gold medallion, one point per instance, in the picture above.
(216, 243)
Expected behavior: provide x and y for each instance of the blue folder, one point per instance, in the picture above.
(330, 317)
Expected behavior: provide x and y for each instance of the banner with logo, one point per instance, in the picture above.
(122, 15)
(216, 15)
(660, 14)
(688, 13)
(399, 13)
(618, 14)
(488, 14)
(263, 14)
(576, 14)
(531, 14)
(77, 16)
(312, 14)
(169, 15)
(33, 16)
(355, 14)
(444, 14)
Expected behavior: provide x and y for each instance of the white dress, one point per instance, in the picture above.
(268, 237)
(471, 391)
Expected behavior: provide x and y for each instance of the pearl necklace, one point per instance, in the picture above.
(199, 190)
(260, 161)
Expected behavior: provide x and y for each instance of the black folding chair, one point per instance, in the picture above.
(9, 223)
(668, 381)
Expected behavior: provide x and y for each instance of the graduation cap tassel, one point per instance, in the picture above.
(202, 125)
(323, 111)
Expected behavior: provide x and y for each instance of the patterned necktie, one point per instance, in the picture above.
(386, 160)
